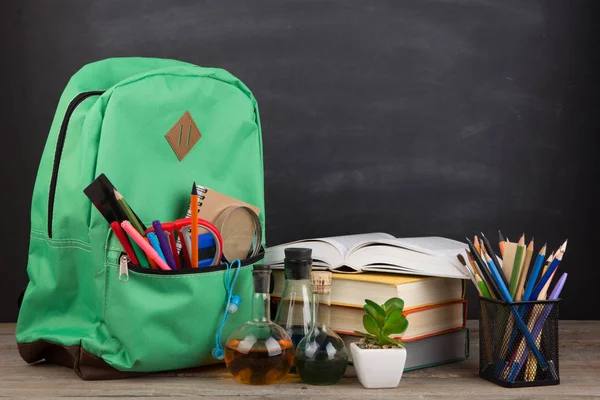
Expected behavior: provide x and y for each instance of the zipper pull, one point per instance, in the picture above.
(123, 269)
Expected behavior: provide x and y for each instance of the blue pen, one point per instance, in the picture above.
(546, 278)
(539, 261)
(518, 319)
(154, 243)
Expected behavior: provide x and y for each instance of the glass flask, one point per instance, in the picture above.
(259, 352)
(293, 313)
(321, 356)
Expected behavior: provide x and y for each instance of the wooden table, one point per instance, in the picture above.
(579, 372)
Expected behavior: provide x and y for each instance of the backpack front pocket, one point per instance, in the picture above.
(162, 321)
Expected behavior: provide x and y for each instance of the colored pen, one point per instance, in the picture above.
(164, 244)
(154, 243)
(139, 239)
(547, 275)
(194, 223)
(539, 261)
(120, 234)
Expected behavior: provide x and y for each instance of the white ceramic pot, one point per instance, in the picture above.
(378, 368)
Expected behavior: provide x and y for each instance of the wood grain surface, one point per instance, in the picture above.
(579, 372)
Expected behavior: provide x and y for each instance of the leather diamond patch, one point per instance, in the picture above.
(183, 135)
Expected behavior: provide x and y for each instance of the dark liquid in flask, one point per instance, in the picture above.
(257, 367)
(296, 332)
(320, 369)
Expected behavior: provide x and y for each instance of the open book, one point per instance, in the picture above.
(381, 252)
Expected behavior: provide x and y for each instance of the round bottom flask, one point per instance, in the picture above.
(259, 352)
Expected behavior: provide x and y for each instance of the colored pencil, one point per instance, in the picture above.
(547, 275)
(539, 261)
(481, 276)
(506, 297)
(476, 243)
(194, 227)
(137, 224)
(517, 265)
(524, 270)
(483, 268)
(470, 272)
(537, 330)
(501, 241)
(490, 251)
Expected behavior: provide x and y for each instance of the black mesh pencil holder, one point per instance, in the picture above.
(506, 334)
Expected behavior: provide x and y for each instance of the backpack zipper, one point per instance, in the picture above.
(60, 144)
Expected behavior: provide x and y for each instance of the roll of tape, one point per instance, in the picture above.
(241, 231)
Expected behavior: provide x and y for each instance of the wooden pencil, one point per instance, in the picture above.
(515, 274)
(525, 270)
(501, 241)
(137, 224)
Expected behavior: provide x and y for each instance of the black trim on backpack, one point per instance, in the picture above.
(60, 144)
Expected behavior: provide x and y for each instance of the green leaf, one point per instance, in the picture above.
(363, 334)
(386, 340)
(394, 304)
(393, 317)
(396, 328)
(370, 324)
(375, 311)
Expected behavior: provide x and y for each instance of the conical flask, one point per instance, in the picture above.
(293, 313)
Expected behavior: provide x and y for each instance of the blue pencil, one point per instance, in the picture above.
(547, 275)
(539, 261)
(518, 319)
(154, 243)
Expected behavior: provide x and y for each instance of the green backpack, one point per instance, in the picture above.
(112, 118)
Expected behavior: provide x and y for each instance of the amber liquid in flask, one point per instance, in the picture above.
(259, 352)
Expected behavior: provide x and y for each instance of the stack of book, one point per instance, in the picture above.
(424, 272)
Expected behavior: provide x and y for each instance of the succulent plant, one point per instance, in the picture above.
(381, 321)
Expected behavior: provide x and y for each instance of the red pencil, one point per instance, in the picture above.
(120, 234)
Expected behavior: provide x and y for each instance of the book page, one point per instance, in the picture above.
(435, 246)
(348, 242)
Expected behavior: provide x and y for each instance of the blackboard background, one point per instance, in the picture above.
(413, 117)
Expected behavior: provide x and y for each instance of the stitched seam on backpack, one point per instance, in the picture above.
(106, 290)
(42, 235)
(60, 247)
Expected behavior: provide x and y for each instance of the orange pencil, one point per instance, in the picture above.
(194, 222)
(501, 242)
(476, 244)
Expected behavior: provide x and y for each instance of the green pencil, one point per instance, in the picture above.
(129, 213)
(516, 270)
